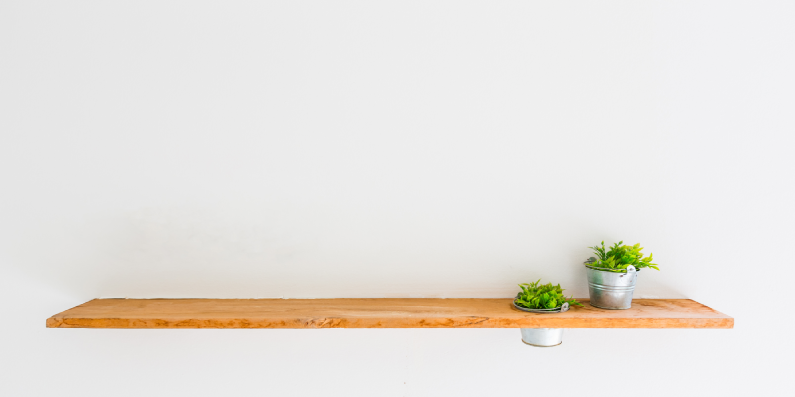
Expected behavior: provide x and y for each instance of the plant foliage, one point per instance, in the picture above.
(534, 296)
(619, 257)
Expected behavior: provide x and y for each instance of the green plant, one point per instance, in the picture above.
(619, 257)
(534, 296)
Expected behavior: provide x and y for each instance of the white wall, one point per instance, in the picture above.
(393, 149)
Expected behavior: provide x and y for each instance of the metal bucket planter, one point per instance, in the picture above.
(611, 290)
(542, 337)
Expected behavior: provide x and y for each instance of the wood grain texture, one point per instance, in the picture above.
(377, 313)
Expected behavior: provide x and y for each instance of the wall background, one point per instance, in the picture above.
(392, 149)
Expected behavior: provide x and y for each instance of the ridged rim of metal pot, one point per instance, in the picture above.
(530, 344)
(558, 309)
(602, 269)
(609, 308)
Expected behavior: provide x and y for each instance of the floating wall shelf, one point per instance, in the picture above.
(377, 313)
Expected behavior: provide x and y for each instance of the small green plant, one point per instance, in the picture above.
(534, 296)
(619, 257)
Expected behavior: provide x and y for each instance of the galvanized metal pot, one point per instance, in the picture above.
(542, 337)
(611, 290)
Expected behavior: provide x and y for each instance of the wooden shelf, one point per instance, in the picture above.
(377, 313)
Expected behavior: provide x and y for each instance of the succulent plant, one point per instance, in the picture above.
(535, 296)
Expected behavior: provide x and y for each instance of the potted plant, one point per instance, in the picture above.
(613, 273)
(546, 298)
